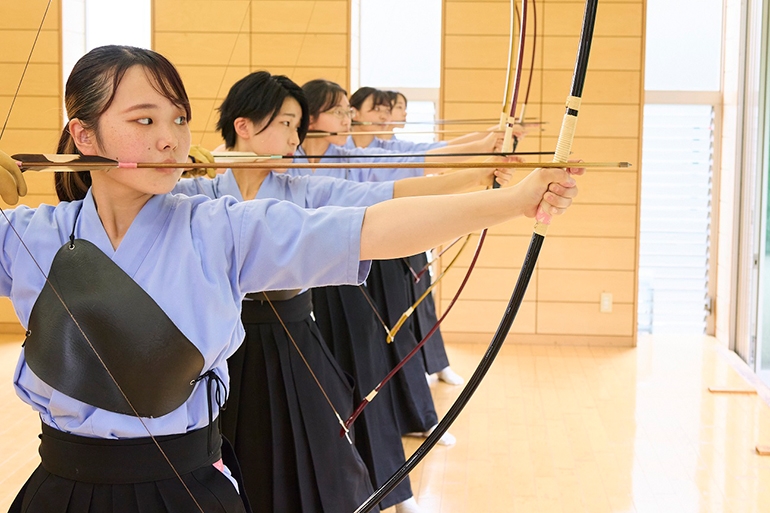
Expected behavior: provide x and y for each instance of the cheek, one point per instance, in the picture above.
(185, 140)
(270, 143)
(328, 124)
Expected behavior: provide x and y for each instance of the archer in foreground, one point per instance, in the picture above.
(136, 428)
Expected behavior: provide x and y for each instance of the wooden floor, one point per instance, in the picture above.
(561, 429)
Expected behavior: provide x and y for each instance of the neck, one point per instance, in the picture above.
(117, 206)
(249, 180)
(315, 146)
(386, 137)
(363, 140)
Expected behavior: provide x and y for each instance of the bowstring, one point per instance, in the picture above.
(307, 364)
(58, 295)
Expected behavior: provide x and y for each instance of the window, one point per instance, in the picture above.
(682, 107)
(396, 45)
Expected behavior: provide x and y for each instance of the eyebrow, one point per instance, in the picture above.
(141, 106)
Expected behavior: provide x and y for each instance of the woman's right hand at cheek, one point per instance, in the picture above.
(12, 184)
(547, 192)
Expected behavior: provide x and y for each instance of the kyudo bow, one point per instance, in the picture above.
(563, 149)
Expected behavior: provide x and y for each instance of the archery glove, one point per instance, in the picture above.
(12, 184)
(199, 154)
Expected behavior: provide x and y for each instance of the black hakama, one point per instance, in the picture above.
(96, 475)
(282, 428)
(357, 341)
(433, 351)
(390, 289)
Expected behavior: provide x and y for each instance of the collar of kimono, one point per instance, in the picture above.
(563, 148)
(59, 296)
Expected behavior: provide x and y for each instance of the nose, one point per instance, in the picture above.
(294, 140)
(167, 138)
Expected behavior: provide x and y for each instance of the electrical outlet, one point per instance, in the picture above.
(605, 304)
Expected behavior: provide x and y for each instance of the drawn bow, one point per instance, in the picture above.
(507, 120)
(563, 148)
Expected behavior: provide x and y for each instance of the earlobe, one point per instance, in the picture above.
(82, 137)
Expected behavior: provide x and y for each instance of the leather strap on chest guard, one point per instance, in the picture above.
(154, 363)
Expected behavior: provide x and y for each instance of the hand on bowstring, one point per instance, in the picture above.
(199, 154)
(12, 183)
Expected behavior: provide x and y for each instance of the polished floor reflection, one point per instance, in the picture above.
(560, 429)
(587, 429)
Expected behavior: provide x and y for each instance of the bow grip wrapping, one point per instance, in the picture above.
(564, 144)
(508, 137)
(567, 132)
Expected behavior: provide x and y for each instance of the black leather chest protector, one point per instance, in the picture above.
(155, 365)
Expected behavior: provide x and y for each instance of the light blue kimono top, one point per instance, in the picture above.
(307, 191)
(196, 258)
(397, 145)
(339, 154)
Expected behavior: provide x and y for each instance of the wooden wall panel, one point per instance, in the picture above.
(303, 39)
(36, 119)
(593, 248)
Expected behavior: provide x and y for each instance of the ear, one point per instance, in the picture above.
(84, 139)
(244, 128)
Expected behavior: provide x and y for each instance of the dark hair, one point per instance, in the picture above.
(378, 97)
(322, 95)
(394, 97)
(259, 96)
(91, 89)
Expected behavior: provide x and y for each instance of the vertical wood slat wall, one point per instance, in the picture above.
(214, 43)
(36, 119)
(594, 247)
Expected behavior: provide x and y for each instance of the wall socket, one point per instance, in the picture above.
(605, 303)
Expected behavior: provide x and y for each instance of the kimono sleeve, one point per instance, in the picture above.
(20, 218)
(401, 145)
(381, 174)
(193, 186)
(279, 245)
(323, 190)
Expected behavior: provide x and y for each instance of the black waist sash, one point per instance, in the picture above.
(155, 365)
(130, 461)
(295, 309)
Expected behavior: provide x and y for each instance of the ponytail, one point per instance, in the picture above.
(70, 186)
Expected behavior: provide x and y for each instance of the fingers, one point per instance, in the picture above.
(503, 176)
(576, 170)
(551, 205)
(519, 131)
(560, 190)
(200, 154)
(12, 183)
(558, 196)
